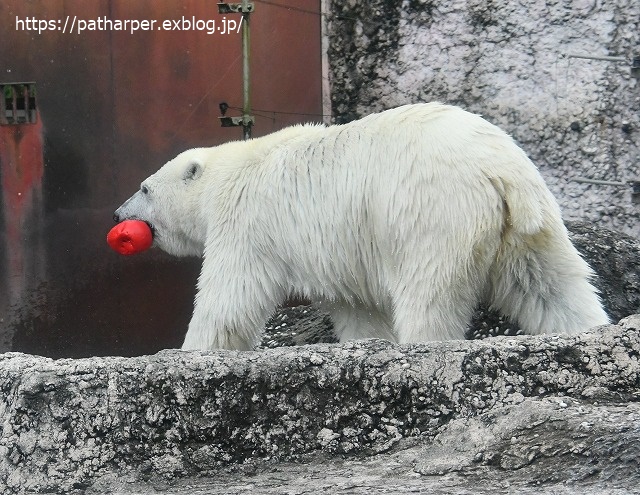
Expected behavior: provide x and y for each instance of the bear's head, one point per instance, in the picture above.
(169, 202)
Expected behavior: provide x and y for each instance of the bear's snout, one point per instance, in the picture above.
(125, 211)
(118, 217)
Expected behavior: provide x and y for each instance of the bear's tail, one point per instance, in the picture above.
(538, 277)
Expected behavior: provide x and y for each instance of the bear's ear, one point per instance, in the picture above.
(193, 171)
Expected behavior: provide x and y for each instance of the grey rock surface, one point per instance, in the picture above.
(515, 63)
(361, 417)
(540, 446)
(615, 258)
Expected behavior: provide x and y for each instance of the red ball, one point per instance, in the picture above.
(130, 237)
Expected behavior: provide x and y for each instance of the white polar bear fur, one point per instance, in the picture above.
(397, 224)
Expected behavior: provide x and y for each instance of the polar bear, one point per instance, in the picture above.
(397, 224)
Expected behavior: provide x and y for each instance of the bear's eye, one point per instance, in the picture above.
(144, 189)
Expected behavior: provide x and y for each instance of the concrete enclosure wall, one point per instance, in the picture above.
(514, 63)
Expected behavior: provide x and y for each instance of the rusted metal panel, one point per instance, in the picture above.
(113, 106)
(22, 256)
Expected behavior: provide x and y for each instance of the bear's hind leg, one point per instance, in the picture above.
(352, 322)
(444, 315)
(542, 282)
(435, 296)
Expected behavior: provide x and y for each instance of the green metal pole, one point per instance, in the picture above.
(246, 94)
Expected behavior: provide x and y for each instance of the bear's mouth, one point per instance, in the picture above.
(152, 228)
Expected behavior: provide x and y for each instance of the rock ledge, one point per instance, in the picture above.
(510, 403)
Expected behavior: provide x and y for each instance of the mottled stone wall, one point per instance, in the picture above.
(508, 61)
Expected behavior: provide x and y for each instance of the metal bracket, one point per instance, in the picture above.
(235, 8)
(18, 103)
(635, 67)
(244, 121)
(635, 189)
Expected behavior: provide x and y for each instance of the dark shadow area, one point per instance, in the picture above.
(94, 302)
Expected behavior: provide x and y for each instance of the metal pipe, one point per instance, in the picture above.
(246, 86)
(601, 182)
(596, 57)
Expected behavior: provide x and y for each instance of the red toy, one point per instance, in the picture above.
(130, 237)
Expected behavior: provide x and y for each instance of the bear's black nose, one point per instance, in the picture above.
(116, 218)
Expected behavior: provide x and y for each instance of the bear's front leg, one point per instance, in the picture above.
(235, 297)
(205, 333)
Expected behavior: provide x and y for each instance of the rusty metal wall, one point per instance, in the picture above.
(113, 106)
